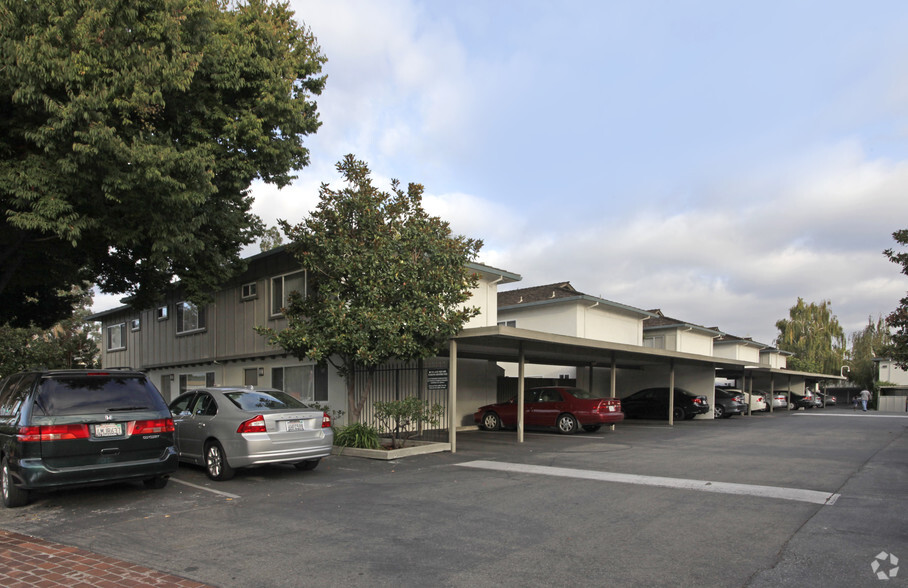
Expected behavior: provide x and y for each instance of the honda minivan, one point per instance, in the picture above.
(63, 428)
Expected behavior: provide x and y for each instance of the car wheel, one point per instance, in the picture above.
(591, 428)
(679, 413)
(156, 483)
(719, 411)
(216, 465)
(567, 424)
(491, 422)
(307, 465)
(13, 496)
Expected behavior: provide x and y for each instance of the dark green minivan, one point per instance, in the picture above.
(63, 428)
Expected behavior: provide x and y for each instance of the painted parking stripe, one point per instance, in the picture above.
(858, 414)
(212, 490)
(796, 494)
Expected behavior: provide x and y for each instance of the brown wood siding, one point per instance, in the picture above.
(230, 320)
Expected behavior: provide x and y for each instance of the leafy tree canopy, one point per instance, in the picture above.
(866, 345)
(69, 344)
(898, 318)
(130, 133)
(386, 279)
(814, 335)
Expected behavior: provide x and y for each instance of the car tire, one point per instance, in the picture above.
(719, 412)
(491, 421)
(566, 424)
(591, 428)
(679, 414)
(13, 496)
(308, 465)
(216, 465)
(156, 483)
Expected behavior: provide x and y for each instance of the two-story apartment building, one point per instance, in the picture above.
(182, 346)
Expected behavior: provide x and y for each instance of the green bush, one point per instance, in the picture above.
(358, 435)
(397, 416)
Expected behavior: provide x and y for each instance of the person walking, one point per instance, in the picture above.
(865, 398)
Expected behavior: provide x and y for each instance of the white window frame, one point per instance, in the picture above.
(249, 291)
(135, 324)
(510, 323)
(122, 343)
(161, 313)
(201, 318)
(281, 280)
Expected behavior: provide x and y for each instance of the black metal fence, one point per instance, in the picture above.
(426, 380)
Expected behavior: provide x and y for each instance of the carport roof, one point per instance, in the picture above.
(501, 343)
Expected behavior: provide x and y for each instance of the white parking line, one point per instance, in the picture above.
(212, 490)
(859, 413)
(797, 494)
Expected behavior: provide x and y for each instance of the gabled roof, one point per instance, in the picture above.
(727, 339)
(661, 322)
(559, 292)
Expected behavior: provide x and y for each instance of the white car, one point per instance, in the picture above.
(779, 398)
(757, 400)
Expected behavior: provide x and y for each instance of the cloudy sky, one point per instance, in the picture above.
(713, 159)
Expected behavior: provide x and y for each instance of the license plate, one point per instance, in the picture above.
(108, 430)
(296, 426)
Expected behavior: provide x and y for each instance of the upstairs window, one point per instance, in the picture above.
(282, 286)
(116, 337)
(190, 318)
(162, 313)
(248, 291)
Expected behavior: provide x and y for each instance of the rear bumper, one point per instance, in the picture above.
(34, 474)
(257, 449)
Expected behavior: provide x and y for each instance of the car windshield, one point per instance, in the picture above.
(583, 394)
(256, 400)
(96, 394)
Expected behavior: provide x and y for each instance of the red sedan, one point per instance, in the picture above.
(565, 408)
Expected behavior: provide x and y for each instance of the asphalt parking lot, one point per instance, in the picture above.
(806, 499)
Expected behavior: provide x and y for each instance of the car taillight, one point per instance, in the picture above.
(150, 427)
(760, 399)
(254, 425)
(52, 433)
(326, 421)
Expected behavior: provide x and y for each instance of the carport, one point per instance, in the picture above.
(775, 379)
(522, 346)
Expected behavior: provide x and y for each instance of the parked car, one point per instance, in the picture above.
(827, 399)
(226, 428)
(653, 403)
(64, 428)
(757, 401)
(565, 408)
(728, 403)
(779, 399)
(804, 400)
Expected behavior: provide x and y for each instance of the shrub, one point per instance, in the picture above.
(358, 435)
(396, 416)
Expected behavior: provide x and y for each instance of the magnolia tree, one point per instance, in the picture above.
(898, 318)
(385, 280)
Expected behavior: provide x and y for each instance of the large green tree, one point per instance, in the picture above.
(815, 337)
(866, 345)
(130, 133)
(386, 280)
(898, 318)
(71, 343)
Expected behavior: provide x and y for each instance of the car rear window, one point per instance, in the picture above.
(96, 394)
(583, 394)
(256, 400)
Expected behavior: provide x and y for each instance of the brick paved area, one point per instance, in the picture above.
(28, 562)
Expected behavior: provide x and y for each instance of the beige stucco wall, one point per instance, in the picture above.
(578, 319)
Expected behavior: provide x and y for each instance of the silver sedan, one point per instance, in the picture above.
(225, 428)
